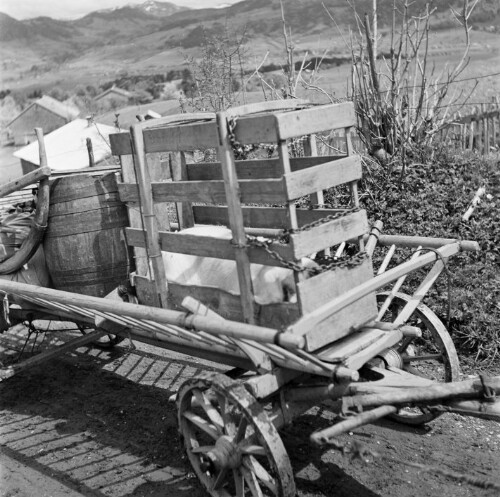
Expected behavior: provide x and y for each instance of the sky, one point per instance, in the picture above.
(72, 9)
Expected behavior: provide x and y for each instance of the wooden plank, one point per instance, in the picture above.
(255, 168)
(325, 287)
(260, 217)
(228, 305)
(322, 288)
(191, 136)
(268, 106)
(271, 128)
(354, 343)
(207, 247)
(329, 234)
(270, 191)
(323, 176)
(178, 169)
(146, 291)
(313, 319)
(120, 143)
(340, 324)
(387, 340)
(315, 120)
(311, 149)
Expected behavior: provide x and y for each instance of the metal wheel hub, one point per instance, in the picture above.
(392, 358)
(225, 454)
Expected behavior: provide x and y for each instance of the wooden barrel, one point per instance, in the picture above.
(85, 246)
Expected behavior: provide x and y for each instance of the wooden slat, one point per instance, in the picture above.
(120, 143)
(384, 342)
(354, 343)
(323, 176)
(329, 234)
(228, 305)
(255, 168)
(270, 191)
(206, 247)
(340, 324)
(269, 106)
(322, 288)
(271, 128)
(178, 167)
(182, 137)
(259, 217)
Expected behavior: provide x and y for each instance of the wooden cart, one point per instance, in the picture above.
(350, 337)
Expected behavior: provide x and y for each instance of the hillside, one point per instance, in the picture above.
(40, 52)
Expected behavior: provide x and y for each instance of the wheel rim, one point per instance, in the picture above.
(232, 445)
(433, 356)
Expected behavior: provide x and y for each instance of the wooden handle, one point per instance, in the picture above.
(24, 181)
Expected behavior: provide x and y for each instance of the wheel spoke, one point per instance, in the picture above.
(239, 483)
(423, 358)
(254, 450)
(202, 449)
(209, 409)
(261, 473)
(242, 428)
(228, 423)
(202, 424)
(252, 482)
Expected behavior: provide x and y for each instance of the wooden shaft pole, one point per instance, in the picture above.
(24, 181)
(426, 242)
(364, 418)
(184, 320)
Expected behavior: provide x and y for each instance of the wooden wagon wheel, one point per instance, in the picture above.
(432, 356)
(232, 445)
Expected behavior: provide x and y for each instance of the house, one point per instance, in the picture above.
(112, 98)
(67, 148)
(46, 113)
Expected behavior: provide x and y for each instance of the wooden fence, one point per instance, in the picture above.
(479, 130)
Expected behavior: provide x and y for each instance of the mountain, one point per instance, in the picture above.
(158, 36)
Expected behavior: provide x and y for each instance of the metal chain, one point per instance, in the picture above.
(323, 220)
(333, 262)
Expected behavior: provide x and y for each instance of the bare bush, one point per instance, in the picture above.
(401, 100)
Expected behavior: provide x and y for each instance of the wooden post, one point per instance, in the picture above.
(235, 215)
(178, 170)
(148, 214)
(90, 151)
(471, 135)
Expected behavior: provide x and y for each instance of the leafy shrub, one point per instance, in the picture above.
(431, 201)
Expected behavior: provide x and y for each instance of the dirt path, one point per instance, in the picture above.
(100, 423)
